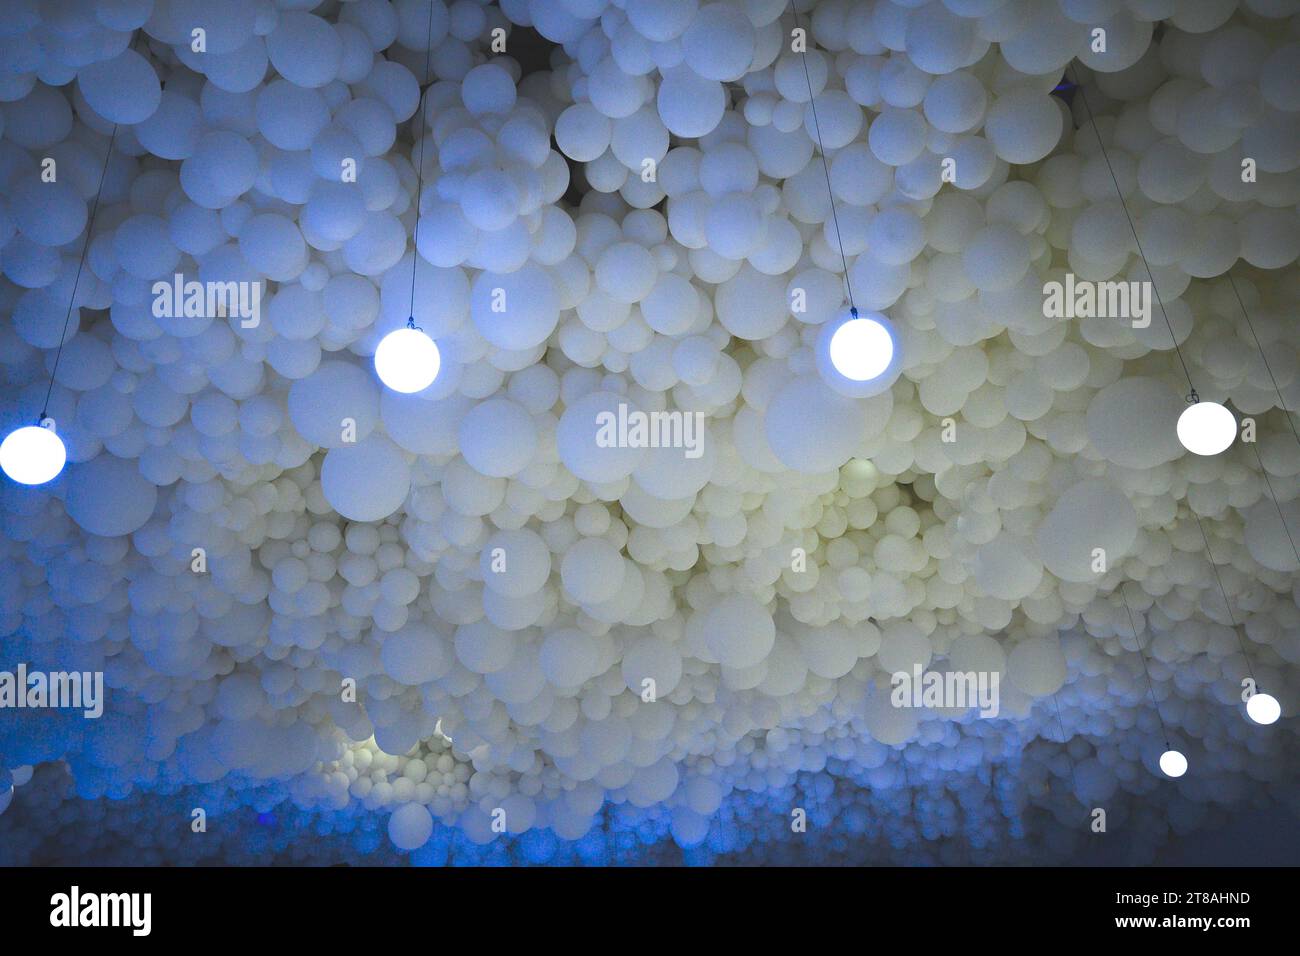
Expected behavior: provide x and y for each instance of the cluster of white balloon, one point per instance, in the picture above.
(857, 355)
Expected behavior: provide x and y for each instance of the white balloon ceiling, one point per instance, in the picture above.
(491, 587)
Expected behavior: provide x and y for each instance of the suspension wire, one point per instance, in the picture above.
(76, 282)
(1276, 504)
(419, 169)
(1193, 397)
(1074, 781)
(1150, 686)
(1083, 97)
(1286, 411)
(1236, 629)
(1251, 326)
(826, 169)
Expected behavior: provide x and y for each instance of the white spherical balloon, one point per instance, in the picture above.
(108, 496)
(1092, 519)
(1024, 125)
(1132, 422)
(1037, 666)
(595, 438)
(366, 481)
(338, 401)
(812, 428)
(739, 630)
(414, 655)
(568, 657)
(690, 105)
(410, 826)
(592, 571)
(124, 89)
(498, 438)
(516, 310)
(515, 563)
(305, 49)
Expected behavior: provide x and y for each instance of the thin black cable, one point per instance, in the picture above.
(1074, 781)
(419, 169)
(72, 299)
(826, 169)
(1083, 97)
(1282, 402)
(1276, 504)
(1151, 687)
(1222, 590)
(1250, 325)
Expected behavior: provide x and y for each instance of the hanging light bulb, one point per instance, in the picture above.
(407, 360)
(1206, 428)
(861, 350)
(33, 454)
(1173, 764)
(858, 355)
(1263, 708)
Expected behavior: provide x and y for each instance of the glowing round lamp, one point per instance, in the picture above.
(1206, 428)
(858, 354)
(33, 454)
(1263, 708)
(407, 360)
(1173, 764)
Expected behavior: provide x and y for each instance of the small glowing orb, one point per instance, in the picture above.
(862, 349)
(1206, 428)
(32, 455)
(1173, 763)
(1263, 708)
(407, 360)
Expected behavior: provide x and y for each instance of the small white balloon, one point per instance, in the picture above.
(1173, 763)
(32, 455)
(407, 360)
(1263, 708)
(1206, 428)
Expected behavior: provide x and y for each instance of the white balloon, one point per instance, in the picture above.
(366, 481)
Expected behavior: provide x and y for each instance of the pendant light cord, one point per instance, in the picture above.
(419, 168)
(826, 169)
(72, 299)
(1192, 397)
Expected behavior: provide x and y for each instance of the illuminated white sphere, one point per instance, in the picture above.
(1173, 763)
(32, 455)
(859, 356)
(1263, 708)
(861, 350)
(407, 360)
(1206, 428)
